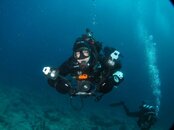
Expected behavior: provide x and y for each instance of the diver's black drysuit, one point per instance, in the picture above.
(99, 75)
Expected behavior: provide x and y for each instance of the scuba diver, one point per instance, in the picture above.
(90, 71)
(146, 114)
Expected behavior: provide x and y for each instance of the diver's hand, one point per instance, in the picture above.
(50, 72)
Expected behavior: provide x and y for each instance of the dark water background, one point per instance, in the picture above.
(37, 33)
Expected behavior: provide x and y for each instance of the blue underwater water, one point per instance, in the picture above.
(38, 33)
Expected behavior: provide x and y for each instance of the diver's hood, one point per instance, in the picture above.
(80, 43)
